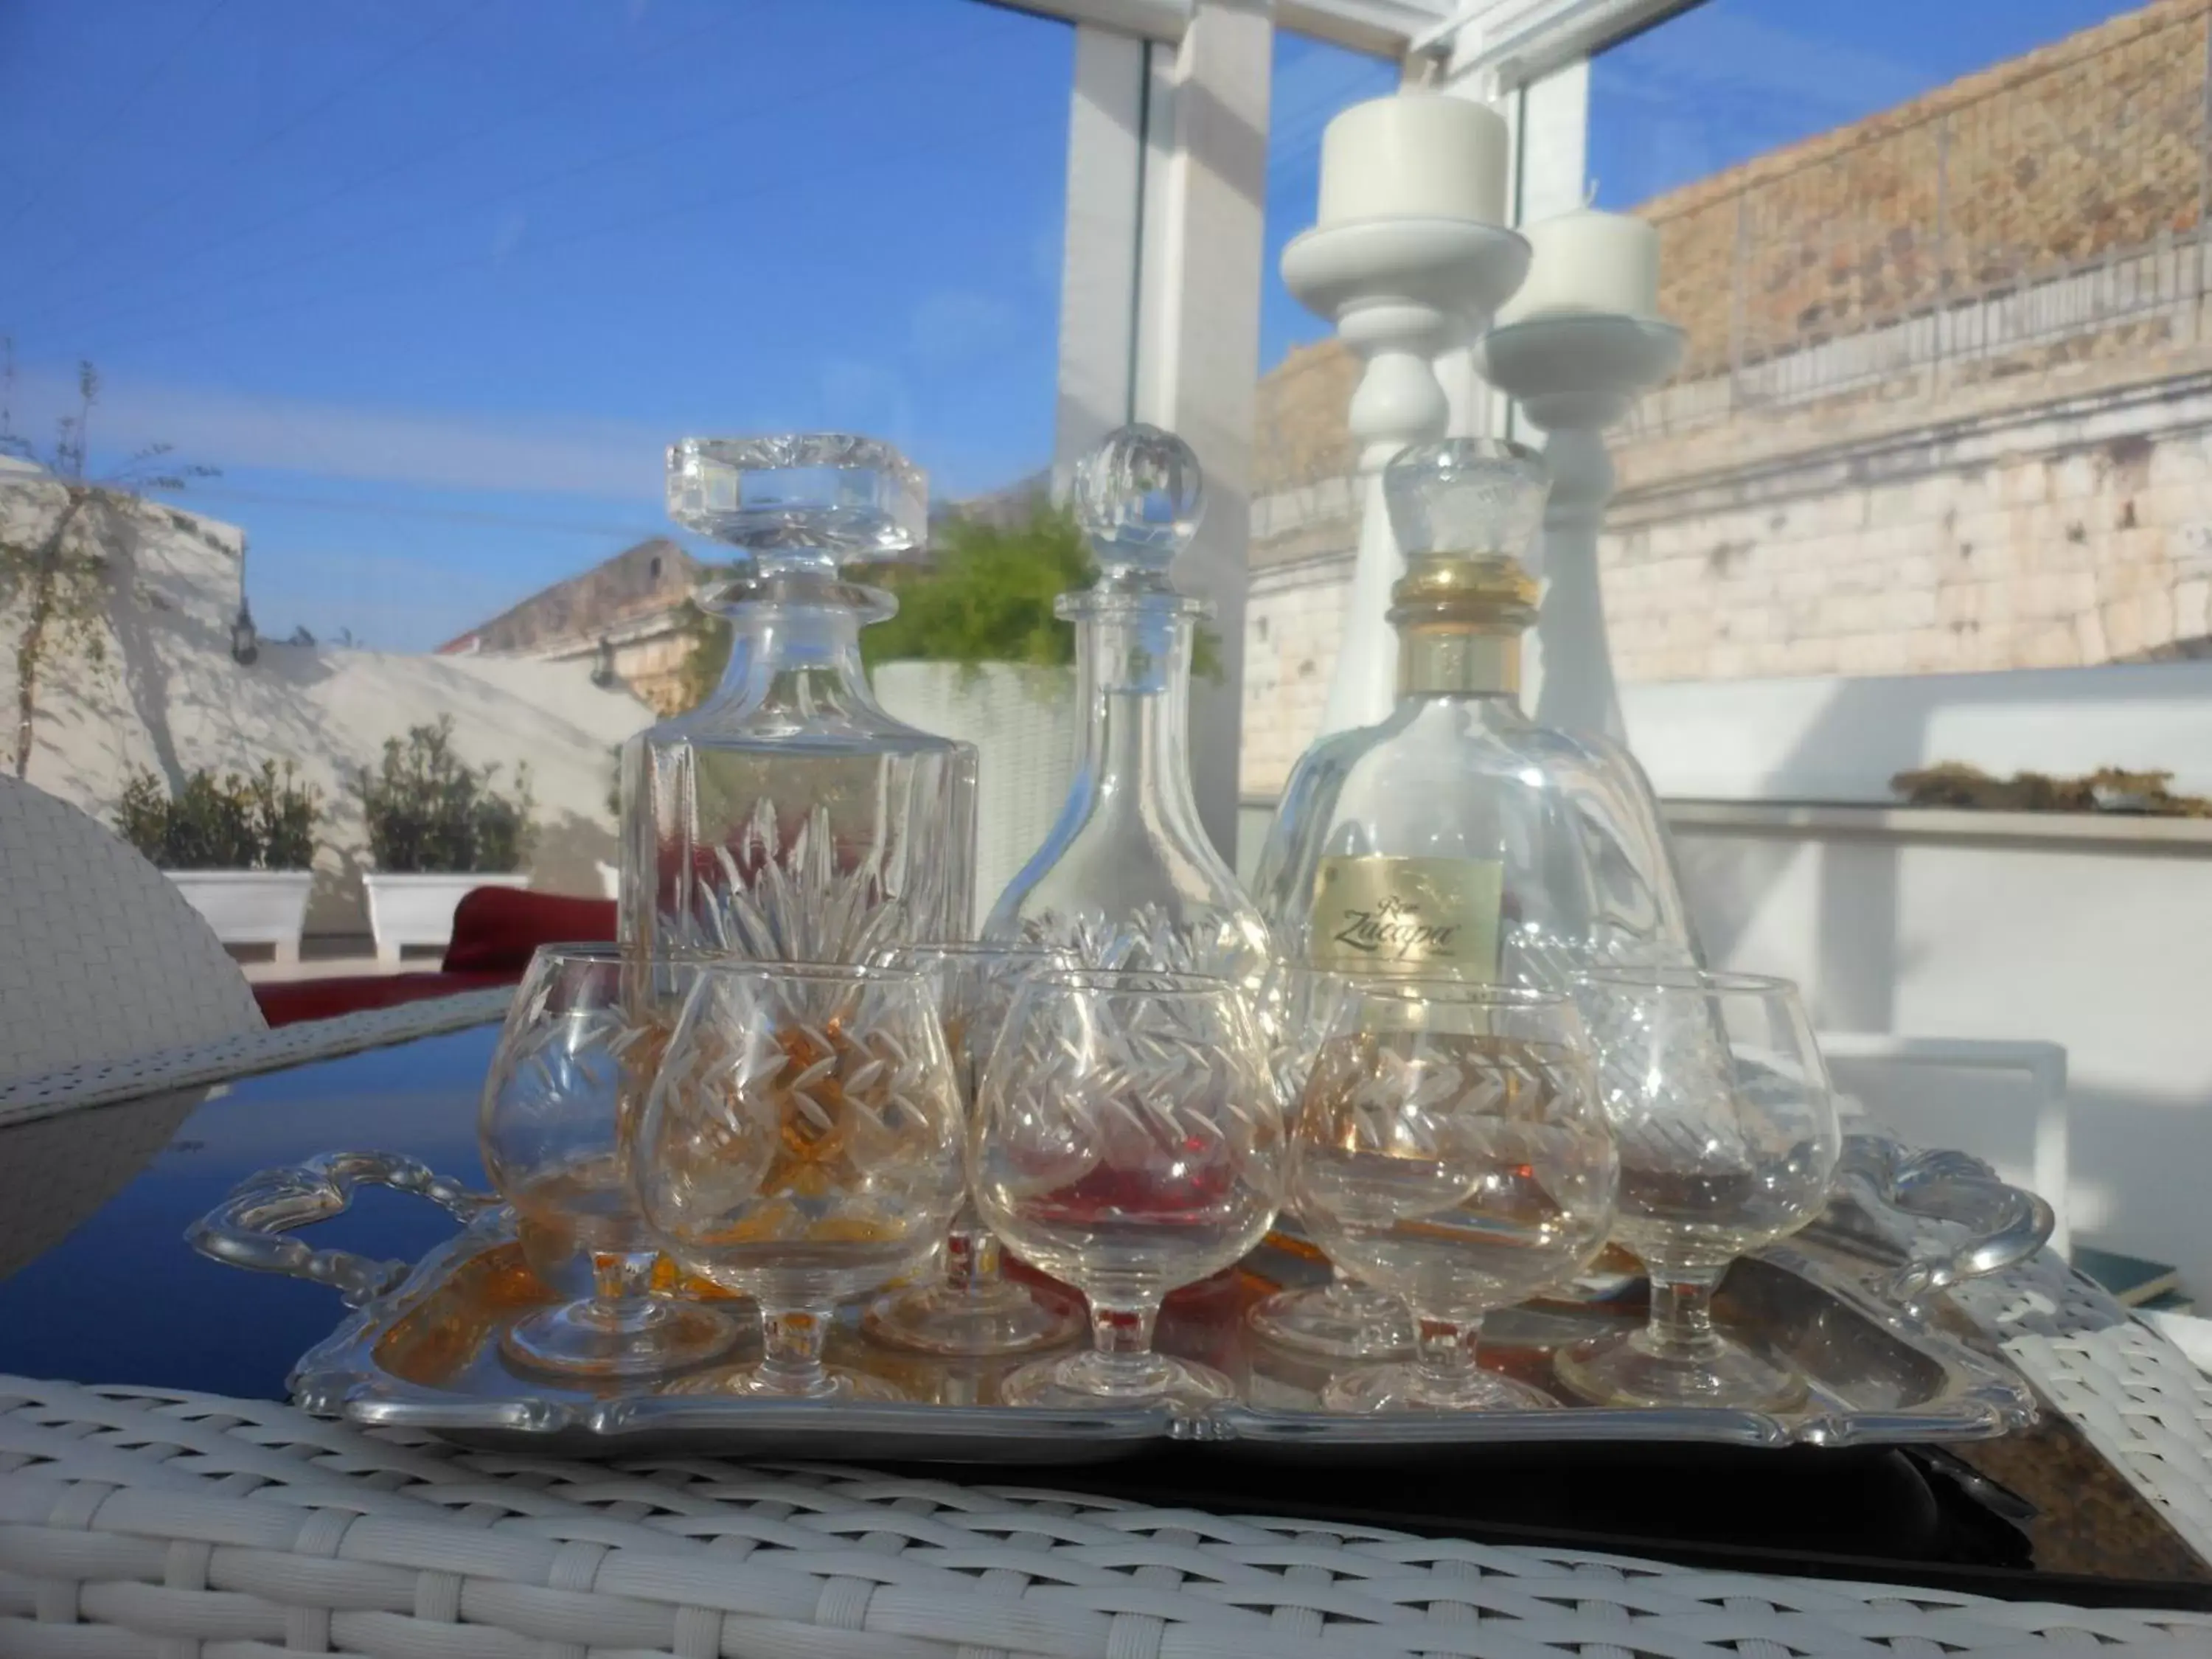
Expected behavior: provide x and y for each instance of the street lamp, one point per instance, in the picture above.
(244, 643)
(603, 666)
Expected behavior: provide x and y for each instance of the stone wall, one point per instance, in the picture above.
(1948, 405)
(2052, 517)
(1293, 621)
(1298, 418)
(2093, 143)
(2048, 520)
(653, 577)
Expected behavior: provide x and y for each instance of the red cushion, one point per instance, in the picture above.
(287, 1002)
(496, 928)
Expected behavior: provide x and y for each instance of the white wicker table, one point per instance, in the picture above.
(138, 1522)
(141, 1522)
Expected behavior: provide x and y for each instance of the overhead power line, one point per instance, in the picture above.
(871, 162)
(901, 66)
(106, 132)
(563, 95)
(452, 20)
(205, 492)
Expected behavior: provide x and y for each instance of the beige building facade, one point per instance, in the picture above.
(1947, 404)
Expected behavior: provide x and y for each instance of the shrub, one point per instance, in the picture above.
(2109, 789)
(261, 820)
(985, 596)
(429, 810)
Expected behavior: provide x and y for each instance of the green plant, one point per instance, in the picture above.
(429, 810)
(61, 570)
(262, 820)
(986, 596)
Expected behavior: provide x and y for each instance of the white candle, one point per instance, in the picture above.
(1414, 155)
(1588, 261)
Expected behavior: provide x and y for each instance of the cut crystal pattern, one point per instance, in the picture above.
(1127, 877)
(789, 817)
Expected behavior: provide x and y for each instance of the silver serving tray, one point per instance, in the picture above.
(1853, 1302)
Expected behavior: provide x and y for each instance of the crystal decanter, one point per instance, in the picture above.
(788, 818)
(1457, 837)
(1127, 878)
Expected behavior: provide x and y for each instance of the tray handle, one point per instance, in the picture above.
(247, 1230)
(2006, 1225)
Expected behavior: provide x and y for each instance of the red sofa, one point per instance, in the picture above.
(496, 929)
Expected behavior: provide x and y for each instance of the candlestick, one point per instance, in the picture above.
(1399, 291)
(1588, 263)
(1414, 155)
(1575, 376)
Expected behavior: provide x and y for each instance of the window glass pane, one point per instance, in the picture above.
(431, 287)
(1305, 522)
(1930, 260)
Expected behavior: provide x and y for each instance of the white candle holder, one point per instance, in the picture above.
(1399, 291)
(1574, 376)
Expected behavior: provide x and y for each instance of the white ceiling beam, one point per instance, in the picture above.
(1511, 42)
(1099, 272)
(1144, 20)
(1383, 28)
(1198, 333)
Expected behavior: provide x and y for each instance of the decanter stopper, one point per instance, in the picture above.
(1466, 497)
(1138, 496)
(801, 502)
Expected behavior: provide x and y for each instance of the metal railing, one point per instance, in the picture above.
(2065, 201)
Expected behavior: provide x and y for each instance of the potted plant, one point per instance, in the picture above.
(436, 829)
(239, 848)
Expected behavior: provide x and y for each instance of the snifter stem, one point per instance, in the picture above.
(972, 1256)
(792, 1339)
(1444, 1355)
(1682, 1313)
(1121, 1362)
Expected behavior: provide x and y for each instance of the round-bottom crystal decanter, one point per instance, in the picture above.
(1458, 837)
(789, 817)
(1127, 877)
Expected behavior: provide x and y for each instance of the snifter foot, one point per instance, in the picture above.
(618, 1339)
(1631, 1370)
(1412, 1387)
(1107, 1381)
(1342, 1320)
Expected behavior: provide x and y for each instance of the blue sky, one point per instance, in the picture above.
(434, 283)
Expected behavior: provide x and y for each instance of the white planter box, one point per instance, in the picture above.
(1023, 722)
(418, 909)
(249, 907)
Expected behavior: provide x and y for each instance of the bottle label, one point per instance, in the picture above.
(1404, 915)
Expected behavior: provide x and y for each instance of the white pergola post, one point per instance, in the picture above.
(1103, 244)
(1160, 287)
(1160, 301)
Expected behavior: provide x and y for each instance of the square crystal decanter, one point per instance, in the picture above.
(788, 816)
(1458, 837)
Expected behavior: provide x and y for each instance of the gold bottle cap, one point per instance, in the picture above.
(1491, 592)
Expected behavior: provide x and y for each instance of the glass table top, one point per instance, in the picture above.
(97, 1286)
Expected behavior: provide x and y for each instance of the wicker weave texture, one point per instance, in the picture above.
(2140, 1401)
(246, 1054)
(163, 1524)
(104, 956)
